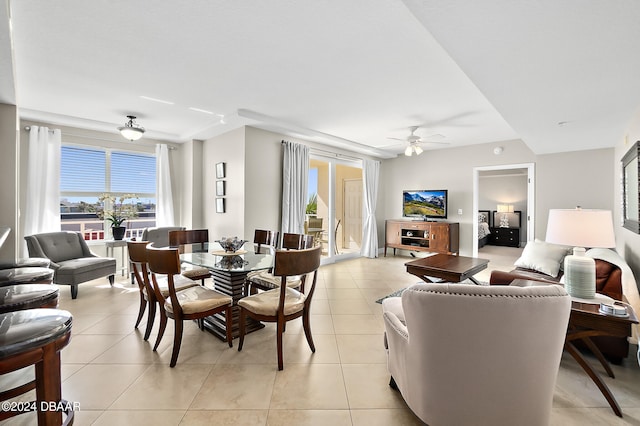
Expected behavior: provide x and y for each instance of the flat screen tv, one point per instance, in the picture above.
(427, 204)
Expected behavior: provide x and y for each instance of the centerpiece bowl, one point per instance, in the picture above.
(231, 245)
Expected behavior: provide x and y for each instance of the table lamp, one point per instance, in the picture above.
(580, 228)
(504, 219)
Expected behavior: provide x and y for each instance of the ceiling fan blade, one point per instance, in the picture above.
(438, 143)
(435, 137)
(396, 139)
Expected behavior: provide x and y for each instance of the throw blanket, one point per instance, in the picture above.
(629, 286)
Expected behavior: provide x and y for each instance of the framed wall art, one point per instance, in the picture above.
(220, 188)
(221, 170)
(220, 205)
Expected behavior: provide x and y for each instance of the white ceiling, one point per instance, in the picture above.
(346, 73)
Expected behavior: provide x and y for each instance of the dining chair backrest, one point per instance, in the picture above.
(198, 239)
(289, 263)
(296, 241)
(315, 222)
(262, 238)
(164, 261)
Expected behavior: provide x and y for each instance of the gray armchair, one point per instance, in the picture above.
(476, 355)
(71, 258)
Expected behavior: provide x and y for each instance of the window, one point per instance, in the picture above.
(87, 173)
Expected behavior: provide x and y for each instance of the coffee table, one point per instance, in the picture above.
(446, 268)
(586, 321)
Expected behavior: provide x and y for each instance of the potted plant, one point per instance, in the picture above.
(116, 210)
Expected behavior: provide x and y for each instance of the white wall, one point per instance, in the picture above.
(628, 243)
(450, 169)
(9, 177)
(227, 148)
(570, 179)
(562, 181)
(263, 182)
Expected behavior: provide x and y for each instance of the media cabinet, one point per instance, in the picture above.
(438, 237)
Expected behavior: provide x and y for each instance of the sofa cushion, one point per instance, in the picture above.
(543, 257)
(76, 271)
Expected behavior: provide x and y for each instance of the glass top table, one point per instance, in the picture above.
(238, 264)
(229, 273)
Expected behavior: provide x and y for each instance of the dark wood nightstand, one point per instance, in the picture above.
(505, 237)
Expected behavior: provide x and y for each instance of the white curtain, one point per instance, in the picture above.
(371, 172)
(43, 181)
(164, 205)
(295, 178)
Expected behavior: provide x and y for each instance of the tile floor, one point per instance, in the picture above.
(119, 380)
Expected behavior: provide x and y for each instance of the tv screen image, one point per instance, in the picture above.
(425, 203)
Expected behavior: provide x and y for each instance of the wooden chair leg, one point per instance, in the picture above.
(306, 324)
(177, 341)
(163, 325)
(228, 321)
(280, 331)
(151, 317)
(241, 326)
(143, 306)
(48, 385)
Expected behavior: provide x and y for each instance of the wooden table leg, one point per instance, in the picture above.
(594, 377)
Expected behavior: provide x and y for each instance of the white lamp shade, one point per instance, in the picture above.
(581, 227)
(131, 133)
(505, 208)
(408, 151)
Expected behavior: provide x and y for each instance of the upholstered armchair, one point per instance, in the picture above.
(476, 355)
(71, 258)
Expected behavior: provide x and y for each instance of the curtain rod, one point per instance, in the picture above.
(28, 128)
(331, 153)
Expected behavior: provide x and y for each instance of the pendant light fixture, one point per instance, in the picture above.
(131, 130)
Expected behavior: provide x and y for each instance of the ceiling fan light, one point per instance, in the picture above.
(418, 150)
(408, 151)
(131, 130)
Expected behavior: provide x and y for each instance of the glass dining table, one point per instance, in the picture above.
(229, 272)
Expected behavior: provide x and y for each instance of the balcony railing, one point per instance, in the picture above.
(93, 230)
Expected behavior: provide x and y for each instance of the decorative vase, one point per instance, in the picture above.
(118, 232)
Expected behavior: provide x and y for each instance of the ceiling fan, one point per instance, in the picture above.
(416, 141)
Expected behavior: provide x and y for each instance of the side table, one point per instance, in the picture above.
(111, 244)
(585, 322)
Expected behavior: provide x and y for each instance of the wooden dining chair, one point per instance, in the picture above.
(284, 303)
(194, 303)
(265, 280)
(192, 241)
(138, 259)
(265, 241)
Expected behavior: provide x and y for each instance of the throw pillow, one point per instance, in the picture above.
(543, 257)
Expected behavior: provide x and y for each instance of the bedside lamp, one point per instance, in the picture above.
(580, 228)
(504, 208)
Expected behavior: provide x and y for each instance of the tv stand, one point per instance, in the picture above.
(431, 236)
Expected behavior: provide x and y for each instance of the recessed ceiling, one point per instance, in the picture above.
(360, 71)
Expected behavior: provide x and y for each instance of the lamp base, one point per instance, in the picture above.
(580, 274)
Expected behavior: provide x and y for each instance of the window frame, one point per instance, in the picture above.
(108, 151)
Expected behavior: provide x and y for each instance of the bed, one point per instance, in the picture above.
(483, 227)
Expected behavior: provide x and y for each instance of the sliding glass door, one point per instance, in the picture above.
(334, 209)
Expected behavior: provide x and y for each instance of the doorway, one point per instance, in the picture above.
(335, 206)
(527, 173)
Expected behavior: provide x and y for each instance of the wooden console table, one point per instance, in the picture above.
(439, 237)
